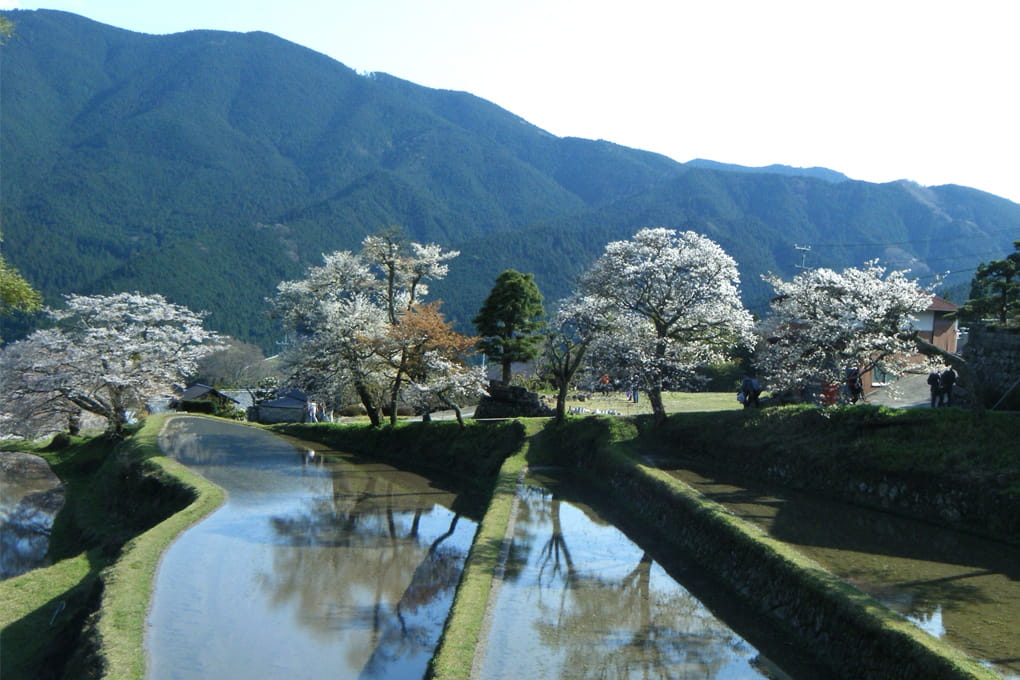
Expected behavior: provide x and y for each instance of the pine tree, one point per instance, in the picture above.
(510, 321)
(995, 289)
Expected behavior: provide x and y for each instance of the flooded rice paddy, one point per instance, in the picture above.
(313, 568)
(343, 567)
(30, 498)
(956, 586)
(580, 599)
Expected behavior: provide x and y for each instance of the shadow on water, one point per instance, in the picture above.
(317, 566)
(581, 598)
(955, 585)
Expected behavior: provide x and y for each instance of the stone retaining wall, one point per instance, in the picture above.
(981, 509)
(993, 356)
(859, 637)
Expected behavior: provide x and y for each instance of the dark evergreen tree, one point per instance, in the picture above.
(510, 321)
(995, 289)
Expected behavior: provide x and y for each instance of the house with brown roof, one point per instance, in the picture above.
(937, 324)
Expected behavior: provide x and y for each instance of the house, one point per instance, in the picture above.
(290, 407)
(199, 398)
(937, 324)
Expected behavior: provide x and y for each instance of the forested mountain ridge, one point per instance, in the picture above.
(208, 166)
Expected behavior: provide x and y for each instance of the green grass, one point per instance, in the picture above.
(463, 632)
(124, 506)
(950, 443)
(674, 402)
(128, 591)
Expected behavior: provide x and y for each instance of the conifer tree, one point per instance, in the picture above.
(510, 321)
(995, 289)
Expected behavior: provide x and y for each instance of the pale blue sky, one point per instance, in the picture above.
(877, 89)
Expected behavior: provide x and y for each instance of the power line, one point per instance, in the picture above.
(956, 271)
(986, 236)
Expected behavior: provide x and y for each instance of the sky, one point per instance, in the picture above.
(879, 90)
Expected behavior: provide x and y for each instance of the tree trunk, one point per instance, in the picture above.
(658, 410)
(366, 401)
(115, 424)
(561, 401)
(506, 372)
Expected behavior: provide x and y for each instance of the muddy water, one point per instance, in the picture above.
(313, 568)
(956, 586)
(580, 599)
(30, 498)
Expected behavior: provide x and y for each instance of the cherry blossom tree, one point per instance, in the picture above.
(447, 383)
(107, 355)
(575, 327)
(824, 323)
(676, 299)
(345, 317)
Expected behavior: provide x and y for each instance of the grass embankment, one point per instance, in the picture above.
(120, 510)
(946, 465)
(464, 626)
(472, 453)
(847, 628)
(490, 454)
(84, 615)
(816, 607)
(952, 443)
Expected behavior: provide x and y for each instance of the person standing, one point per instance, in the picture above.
(947, 380)
(935, 385)
(854, 384)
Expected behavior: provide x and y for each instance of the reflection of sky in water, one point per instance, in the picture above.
(310, 570)
(930, 623)
(30, 498)
(581, 600)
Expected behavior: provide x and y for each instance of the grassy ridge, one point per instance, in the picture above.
(950, 444)
(474, 452)
(461, 637)
(84, 616)
(128, 581)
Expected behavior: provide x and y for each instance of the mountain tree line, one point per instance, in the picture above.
(654, 309)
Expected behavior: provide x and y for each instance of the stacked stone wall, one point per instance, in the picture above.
(980, 508)
(855, 635)
(993, 357)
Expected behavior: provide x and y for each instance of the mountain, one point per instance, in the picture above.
(209, 166)
(774, 169)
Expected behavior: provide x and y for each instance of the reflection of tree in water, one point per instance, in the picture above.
(624, 627)
(357, 561)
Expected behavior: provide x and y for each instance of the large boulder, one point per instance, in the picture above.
(511, 402)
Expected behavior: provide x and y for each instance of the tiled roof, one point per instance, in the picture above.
(940, 305)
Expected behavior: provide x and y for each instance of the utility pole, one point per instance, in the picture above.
(804, 253)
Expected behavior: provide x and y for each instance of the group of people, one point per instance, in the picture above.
(750, 391)
(941, 386)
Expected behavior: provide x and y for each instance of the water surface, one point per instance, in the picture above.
(31, 495)
(315, 567)
(582, 600)
(954, 585)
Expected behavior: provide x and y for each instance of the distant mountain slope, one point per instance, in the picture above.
(208, 166)
(774, 169)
